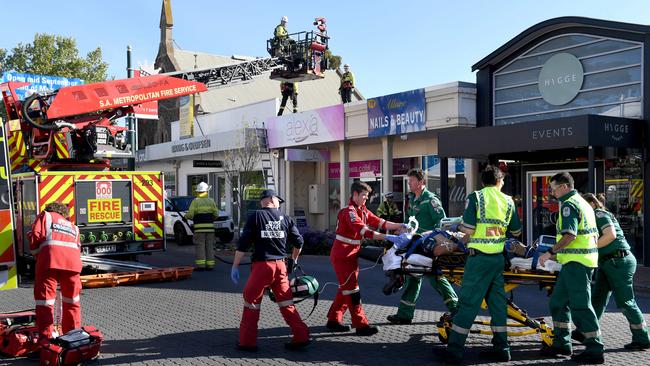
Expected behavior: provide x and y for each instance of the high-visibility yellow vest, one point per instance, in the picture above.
(494, 212)
(583, 248)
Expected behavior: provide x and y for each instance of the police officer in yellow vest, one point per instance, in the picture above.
(487, 218)
(203, 211)
(576, 250)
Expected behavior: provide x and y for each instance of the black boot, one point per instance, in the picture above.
(396, 319)
(550, 351)
(443, 355)
(296, 346)
(335, 326)
(637, 346)
(589, 358)
(577, 336)
(368, 330)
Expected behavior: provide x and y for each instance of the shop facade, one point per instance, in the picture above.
(568, 94)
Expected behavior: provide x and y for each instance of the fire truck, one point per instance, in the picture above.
(60, 145)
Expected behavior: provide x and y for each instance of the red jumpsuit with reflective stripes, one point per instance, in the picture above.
(354, 223)
(54, 241)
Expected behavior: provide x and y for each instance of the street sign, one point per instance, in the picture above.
(207, 163)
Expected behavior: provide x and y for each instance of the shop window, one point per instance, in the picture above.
(170, 184)
(456, 182)
(624, 193)
(334, 201)
(193, 181)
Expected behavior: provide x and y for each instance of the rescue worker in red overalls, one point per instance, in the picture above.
(268, 230)
(54, 242)
(355, 222)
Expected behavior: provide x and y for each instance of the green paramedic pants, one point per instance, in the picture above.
(615, 275)
(571, 300)
(411, 293)
(483, 279)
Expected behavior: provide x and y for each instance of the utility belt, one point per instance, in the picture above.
(616, 254)
(474, 252)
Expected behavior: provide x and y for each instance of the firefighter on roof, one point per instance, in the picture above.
(288, 90)
(54, 242)
(347, 84)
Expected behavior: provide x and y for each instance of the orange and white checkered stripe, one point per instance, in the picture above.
(59, 188)
(148, 188)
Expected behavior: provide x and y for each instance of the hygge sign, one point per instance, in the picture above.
(397, 114)
(314, 126)
(561, 79)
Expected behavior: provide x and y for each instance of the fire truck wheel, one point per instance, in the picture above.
(181, 236)
(226, 238)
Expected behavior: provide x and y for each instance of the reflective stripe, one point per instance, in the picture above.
(348, 241)
(637, 326)
(492, 221)
(578, 251)
(252, 306)
(286, 303)
(381, 223)
(58, 243)
(487, 240)
(499, 329)
(591, 334)
(450, 300)
(562, 325)
(350, 292)
(209, 262)
(459, 330)
(45, 302)
(407, 303)
(71, 300)
(199, 261)
(363, 230)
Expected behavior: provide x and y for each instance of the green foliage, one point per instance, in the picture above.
(55, 55)
(334, 62)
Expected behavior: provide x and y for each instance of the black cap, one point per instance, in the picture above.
(267, 193)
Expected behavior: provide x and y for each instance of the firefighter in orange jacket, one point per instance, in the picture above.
(54, 241)
(354, 223)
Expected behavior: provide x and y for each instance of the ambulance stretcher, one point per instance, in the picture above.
(451, 265)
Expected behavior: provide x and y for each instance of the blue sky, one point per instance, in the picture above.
(392, 46)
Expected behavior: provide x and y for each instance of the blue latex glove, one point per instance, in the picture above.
(454, 227)
(405, 226)
(234, 275)
(400, 241)
(392, 238)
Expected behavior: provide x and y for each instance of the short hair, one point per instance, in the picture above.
(417, 173)
(592, 198)
(58, 207)
(491, 175)
(563, 178)
(359, 187)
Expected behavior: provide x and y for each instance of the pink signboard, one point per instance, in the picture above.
(358, 169)
(314, 126)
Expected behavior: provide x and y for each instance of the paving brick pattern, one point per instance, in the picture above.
(195, 322)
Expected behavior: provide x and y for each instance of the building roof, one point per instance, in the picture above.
(545, 27)
(311, 94)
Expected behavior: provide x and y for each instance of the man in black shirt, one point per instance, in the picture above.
(268, 230)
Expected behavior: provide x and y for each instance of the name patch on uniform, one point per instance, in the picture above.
(353, 215)
(566, 212)
(600, 214)
(273, 230)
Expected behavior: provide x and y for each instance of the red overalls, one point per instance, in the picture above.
(54, 241)
(354, 224)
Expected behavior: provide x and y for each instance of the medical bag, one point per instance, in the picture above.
(72, 348)
(18, 333)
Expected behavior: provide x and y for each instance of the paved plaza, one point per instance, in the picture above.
(195, 322)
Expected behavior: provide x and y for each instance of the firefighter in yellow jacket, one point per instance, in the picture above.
(347, 84)
(203, 211)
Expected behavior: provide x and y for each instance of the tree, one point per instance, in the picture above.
(57, 56)
(240, 165)
(333, 61)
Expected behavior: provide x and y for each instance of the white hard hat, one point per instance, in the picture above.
(284, 19)
(346, 65)
(202, 187)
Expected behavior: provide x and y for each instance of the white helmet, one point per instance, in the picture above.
(346, 66)
(285, 19)
(202, 187)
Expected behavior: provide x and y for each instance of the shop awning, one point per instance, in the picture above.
(560, 133)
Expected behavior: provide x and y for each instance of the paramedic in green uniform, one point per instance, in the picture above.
(427, 209)
(576, 250)
(616, 267)
(487, 218)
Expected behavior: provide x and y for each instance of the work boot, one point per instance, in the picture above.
(443, 355)
(335, 326)
(577, 336)
(368, 330)
(396, 319)
(246, 348)
(589, 358)
(550, 351)
(297, 346)
(637, 346)
(496, 355)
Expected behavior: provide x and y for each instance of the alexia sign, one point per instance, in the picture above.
(309, 127)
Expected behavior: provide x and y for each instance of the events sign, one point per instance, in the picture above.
(397, 114)
(38, 83)
(319, 125)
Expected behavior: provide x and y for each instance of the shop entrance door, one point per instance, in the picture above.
(541, 207)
